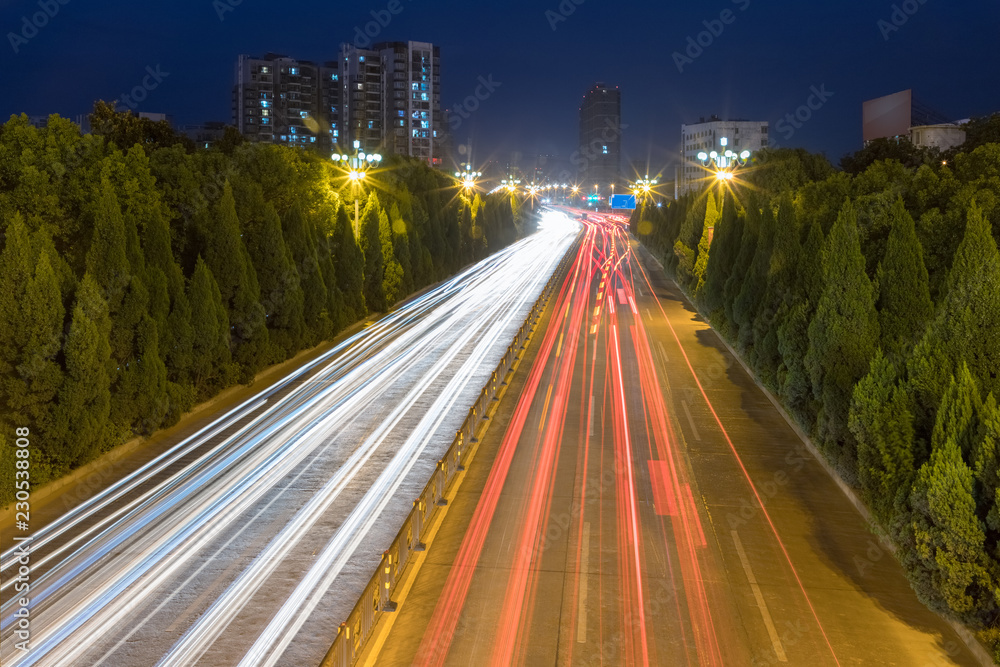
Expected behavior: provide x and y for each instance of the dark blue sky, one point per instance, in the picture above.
(760, 67)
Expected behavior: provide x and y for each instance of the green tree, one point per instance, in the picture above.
(966, 325)
(712, 216)
(350, 267)
(210, 355)
(722, 255)
(753, 291)
(106, 260)
(82, 417)
(280, 288)
(949, 559)
(904, 298)
(882, 424)
(842, 336)
(371, 247)
(392, 279)
(401, 248)
(300, 237)
(227, 257)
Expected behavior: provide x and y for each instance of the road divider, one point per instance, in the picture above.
(377, 598)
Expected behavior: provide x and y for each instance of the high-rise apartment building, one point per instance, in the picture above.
(387, 98)
(412, 118)
(276, 100)
(705, 136)
(599, 158)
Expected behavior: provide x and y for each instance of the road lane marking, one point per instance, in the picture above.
(694, 428)
(779, 650)
(662, 351)
(545, 408)
(649, 315)
(581, 623)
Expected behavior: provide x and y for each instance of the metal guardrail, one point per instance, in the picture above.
(376, 599)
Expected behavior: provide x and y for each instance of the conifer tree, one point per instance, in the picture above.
(842, 335)
(371, 247)
(904, 299)
(300, 237)
(392, 279)
(350, 268)
(966, 325)
(949, 558)
(81, 421)
(881, 422)
(280, 289)
(210, 355)
(708, 229)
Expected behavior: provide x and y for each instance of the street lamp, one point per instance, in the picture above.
(467, 177)
(643, 186)
(726, 163)
(357, 167)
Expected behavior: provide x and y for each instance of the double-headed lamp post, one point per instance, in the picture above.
(725, 163)
(357, 166)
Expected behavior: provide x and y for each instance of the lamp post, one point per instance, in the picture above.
(726, 163)
(467, 177)
(643, 186)
(357, 167)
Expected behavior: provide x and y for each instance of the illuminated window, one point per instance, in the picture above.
(605, 151)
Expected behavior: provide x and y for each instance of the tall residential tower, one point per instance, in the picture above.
(599, 158)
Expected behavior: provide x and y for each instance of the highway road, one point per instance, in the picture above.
(643, 503)
(249, 541)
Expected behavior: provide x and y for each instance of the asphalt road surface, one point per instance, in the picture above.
(639, 501)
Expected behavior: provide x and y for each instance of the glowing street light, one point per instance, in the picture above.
(467, 177)
(725, 163)
(357, 168)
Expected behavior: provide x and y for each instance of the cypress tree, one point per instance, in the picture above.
(734, 284)
(966, 325)
(753, 292)
(38, 374)
(371, 247)
(882, 424)
(985, 462)
(106, 258)
(708, 229)
(722, 255)
(948, 541)
(301, 240)
(280, 289)
(904, 299)
(842, 335)
(392, 280)
(17, 266)
(227, 257)
(210, 354)
(401, 248)
(81, 419)
(143, 383)
(350, 267)
(959, 412)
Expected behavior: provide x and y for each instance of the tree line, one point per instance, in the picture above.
(870, 305)
(139, 276)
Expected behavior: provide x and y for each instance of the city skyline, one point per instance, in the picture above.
(684, 68)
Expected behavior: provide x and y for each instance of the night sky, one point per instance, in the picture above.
(760, 67)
